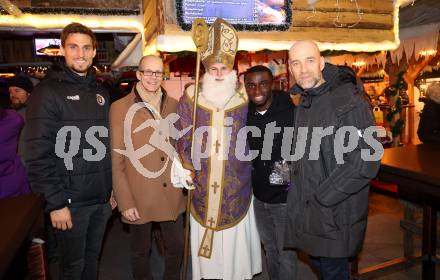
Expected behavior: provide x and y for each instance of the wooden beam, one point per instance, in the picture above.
(149, 10)
(22, 3)
(387, 267)
(100, 4)
(151, 20)
(328, 19)
(410, 76)
(333, 35)
(366, 6)
(160, 12)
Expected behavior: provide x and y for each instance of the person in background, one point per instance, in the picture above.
(68, 113)
(4, 94)
(13, 179)
(429, 126)
(146, 198)
(268, 109)
(20, 88)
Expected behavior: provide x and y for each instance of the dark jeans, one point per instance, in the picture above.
(331, 268)
(78, 249)
(271, 222)
(140, 239)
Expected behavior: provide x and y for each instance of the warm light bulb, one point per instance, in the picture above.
(358, 63)
(428, 52)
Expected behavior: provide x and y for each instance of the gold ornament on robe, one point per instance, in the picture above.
(222, 44)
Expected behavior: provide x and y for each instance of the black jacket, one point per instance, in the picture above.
(67, 99)
(281, 111)
(328, 205)
(429, 126)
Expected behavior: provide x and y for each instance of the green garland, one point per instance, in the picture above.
(393, 90)
(77, 11)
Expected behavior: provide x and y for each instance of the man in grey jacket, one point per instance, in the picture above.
(328, 204)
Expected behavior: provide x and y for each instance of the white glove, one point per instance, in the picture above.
(180, 177)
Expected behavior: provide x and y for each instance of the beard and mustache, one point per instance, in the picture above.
(219, 93)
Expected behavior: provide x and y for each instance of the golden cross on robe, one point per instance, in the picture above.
(205, 250)
(211, 222)
(217, 145)
(215, 186)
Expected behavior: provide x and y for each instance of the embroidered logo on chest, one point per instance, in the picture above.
(100, 99)
(73, 97)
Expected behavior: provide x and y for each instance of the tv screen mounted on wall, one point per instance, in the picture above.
(47, 46)
(251, 15)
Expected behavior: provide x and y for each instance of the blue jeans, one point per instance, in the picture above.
(78, 249)
(331, 268)
(271, 221)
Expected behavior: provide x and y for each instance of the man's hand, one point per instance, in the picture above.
(61, 219)
(193, 175)
(113, 202)
(131, 214)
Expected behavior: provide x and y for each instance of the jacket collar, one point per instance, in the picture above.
(280, 101)
(137, 98)
(63, 73)
(334, 77)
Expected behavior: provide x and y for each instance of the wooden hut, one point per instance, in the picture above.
(360, 25)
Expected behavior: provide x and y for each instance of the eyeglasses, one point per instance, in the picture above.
(149, 73)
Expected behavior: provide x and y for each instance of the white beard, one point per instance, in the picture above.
(218, 93)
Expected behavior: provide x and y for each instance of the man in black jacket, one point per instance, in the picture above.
(328, 205)
(271, 112)
(68, 155)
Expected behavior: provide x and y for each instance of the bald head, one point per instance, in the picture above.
(306, 64)
(304, 45)
(147, 59)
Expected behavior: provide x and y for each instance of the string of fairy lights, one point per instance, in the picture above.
(13, 10)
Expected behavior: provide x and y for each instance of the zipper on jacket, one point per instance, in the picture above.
(324, 166)
(69, 199)
(299, 162)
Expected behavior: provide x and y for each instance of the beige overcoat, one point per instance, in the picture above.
(155, 198)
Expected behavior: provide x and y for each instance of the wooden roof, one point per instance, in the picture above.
(372, 20)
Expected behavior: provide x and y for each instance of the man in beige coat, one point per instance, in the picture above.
(142, 185)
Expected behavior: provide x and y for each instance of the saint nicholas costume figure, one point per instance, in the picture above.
(224, 238)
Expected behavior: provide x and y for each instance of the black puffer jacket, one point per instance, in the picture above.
(67, 99)
(328, 205)
(281, 111)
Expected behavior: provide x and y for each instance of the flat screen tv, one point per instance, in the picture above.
(46, 46)
(251, 15)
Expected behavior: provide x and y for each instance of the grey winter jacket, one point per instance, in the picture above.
(328, 205)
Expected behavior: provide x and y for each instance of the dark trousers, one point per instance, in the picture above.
(331, 268)
(140, 239)
(77, 250)
(271, 222)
